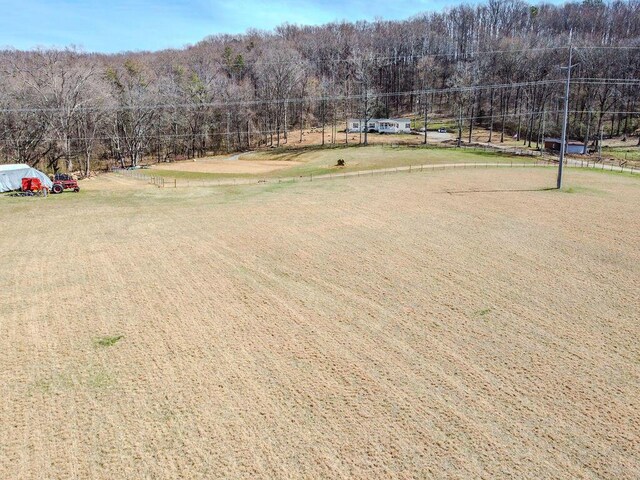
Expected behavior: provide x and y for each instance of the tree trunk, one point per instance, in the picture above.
(473, 107)
(460, 127)
(491, 115)
(586, 135)
(426, 111)
(284, 126)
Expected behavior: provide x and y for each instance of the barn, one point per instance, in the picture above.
(573, 147)
(11, 176)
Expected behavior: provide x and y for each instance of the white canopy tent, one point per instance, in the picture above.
(11, 176)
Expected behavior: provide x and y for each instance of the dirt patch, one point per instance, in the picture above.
(226, 165)
(314, 137)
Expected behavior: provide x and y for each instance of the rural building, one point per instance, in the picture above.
(553, 144)
(380, 125)
(11, 176)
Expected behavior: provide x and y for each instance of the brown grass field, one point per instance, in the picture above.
(227, 165)
(449, 324)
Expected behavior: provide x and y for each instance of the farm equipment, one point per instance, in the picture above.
(31, 186)
(62, 182)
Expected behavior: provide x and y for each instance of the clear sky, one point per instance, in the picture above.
(119, 25)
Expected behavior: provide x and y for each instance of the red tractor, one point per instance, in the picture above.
(62, 182)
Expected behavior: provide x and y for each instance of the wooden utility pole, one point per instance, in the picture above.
(563, 143)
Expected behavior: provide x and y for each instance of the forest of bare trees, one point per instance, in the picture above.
(496, 65)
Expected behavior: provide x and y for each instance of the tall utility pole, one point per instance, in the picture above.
(566, 114)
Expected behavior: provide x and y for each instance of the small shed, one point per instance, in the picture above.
(573, 147)
(11, 176)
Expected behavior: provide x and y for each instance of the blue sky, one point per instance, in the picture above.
(119, 25)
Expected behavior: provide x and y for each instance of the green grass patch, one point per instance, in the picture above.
(107, 341)
(373, 157)
(319, 160)
(483, 312)
(622, 153)
(99, 380)
(597, 171)
(573, 189)
(434, 125)
(87, 377)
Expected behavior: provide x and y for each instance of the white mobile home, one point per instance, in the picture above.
(380, 125)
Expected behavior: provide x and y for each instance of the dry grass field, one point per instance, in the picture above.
(449, 324)
(289, 162)
(226, 165)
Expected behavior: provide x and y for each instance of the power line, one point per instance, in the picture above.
(294, 100)
(497, 117)
(333, 98)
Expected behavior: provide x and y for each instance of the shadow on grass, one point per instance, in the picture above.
(502, 190)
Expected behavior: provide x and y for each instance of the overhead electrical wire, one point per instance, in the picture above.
(454, 119)
(333, 98)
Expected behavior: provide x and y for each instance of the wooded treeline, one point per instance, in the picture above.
(495, 65)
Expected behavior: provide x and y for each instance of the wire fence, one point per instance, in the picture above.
(173, 182)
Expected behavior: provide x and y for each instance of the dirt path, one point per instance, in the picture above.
(230, 164)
